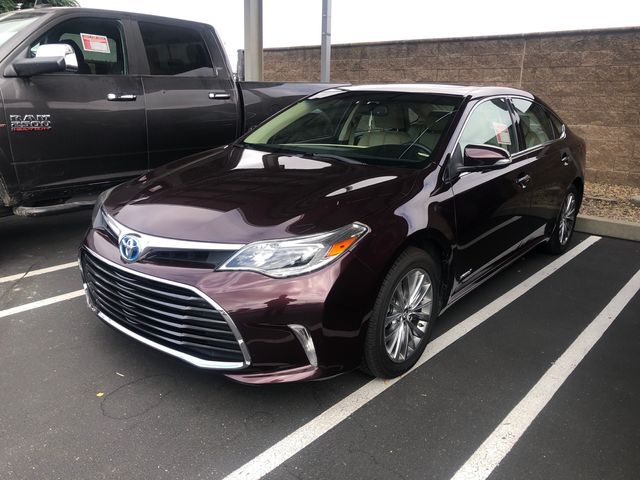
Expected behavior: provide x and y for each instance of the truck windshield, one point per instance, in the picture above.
(364, 126)
(14, 22)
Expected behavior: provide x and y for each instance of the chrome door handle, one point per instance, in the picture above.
(523, 180)
(112, 97)
(219, 96)
(565, 159)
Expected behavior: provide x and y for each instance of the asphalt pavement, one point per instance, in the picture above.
(79, 400)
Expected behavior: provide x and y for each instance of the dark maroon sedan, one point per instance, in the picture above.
(333, 235)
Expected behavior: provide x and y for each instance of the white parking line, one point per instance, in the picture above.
(33, 273)
(318, 426)
(493, 450)
(41, 303)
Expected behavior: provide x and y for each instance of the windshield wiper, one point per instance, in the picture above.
(336, 157)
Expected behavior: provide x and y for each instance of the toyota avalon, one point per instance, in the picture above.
(331, 236)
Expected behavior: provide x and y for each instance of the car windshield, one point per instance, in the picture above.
(12, 23)
(361, 126)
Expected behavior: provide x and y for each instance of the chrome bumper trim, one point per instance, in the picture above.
(304, 337)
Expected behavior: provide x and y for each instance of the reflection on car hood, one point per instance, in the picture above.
(240, 195)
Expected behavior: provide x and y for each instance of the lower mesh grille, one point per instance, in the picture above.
(173, 316)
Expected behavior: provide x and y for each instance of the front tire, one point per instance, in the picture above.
(565, 224)
(404, 313)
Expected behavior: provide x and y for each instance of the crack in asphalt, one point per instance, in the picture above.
(13, 285)
(111, 411)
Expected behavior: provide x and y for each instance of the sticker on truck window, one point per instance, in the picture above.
(502, 133)
(95, 43)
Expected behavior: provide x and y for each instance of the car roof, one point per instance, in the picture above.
(53, 11)
(442, 89)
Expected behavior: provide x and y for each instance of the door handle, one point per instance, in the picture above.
(219, 96)
(523, 180)
(565, 159)
(112, 97)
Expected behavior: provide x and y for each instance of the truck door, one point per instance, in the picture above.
(71, 128)
(191, 100)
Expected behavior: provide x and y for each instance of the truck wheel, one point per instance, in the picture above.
(403, 315)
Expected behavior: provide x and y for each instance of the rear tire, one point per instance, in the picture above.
(403, 315)
(565, 224)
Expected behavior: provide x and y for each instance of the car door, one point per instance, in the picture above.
(191, 101)
(491, 207)
(548, 161)
(81, 127)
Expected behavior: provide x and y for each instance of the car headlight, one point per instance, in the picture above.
(286, 258)
(97, 218)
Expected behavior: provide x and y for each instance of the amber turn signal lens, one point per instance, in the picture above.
(338, 248)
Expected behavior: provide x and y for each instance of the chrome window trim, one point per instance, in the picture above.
(193, 360)
(151, 242)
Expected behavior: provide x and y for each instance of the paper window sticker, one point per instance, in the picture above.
(502, 133)
(95, 43)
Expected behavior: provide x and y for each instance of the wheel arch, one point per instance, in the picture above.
(578, 183)
(437, 244)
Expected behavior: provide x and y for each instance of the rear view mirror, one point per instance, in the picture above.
(51, 58)
(478, 158)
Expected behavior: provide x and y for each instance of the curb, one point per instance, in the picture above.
(608, 228)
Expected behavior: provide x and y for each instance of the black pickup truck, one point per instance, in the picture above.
(93, 97)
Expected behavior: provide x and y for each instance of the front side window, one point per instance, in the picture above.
(97, 43)
(490, 124)
(173, 50)
(534, 122)
(369, 127)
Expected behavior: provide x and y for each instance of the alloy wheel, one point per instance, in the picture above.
(408, 315)
(567, 219)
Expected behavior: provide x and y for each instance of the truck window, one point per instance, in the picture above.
(173, 50)
(97, 43)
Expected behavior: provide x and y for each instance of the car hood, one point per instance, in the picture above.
(239, 195)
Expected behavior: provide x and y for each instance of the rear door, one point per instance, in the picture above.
(191, 100)
(68, 129)
(491, 207)
(548, 160)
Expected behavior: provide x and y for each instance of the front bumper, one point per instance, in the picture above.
(287, 329)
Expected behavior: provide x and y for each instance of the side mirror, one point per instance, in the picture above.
(51, 58)
(480, 158)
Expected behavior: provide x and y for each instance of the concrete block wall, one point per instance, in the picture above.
(591, 78)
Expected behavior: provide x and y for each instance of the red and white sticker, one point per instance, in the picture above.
(95, 43)
(502, 133)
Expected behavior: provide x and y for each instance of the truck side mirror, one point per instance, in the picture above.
(478, 158)
(51, 58)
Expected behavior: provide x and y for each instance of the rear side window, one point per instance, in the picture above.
(535, 123)
(97, 43)
(173, 50)
(558, 126)
(490, 124)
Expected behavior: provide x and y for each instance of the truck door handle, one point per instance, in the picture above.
(219, 96)
(112, 97)
(565, 159)
(523, 180)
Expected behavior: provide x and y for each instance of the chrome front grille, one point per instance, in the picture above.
(173, 316)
